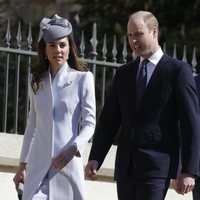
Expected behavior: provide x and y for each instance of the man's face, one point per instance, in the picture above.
(141, 40)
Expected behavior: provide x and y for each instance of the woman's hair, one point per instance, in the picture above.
(42, 64)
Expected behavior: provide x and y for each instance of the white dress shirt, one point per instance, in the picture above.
(153, 61)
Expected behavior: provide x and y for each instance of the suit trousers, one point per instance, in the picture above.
(196, 190)
(136, 187)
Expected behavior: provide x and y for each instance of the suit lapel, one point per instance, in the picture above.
(156, 74)
(130, 79)
(154, 80)
(134, 86)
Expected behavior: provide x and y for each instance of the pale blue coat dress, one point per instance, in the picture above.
(57, 111)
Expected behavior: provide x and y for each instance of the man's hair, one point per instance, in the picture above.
(148, 18)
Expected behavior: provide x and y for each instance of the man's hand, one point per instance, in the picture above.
(185, 184)
(91, 169)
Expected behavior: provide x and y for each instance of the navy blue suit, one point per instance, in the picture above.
(150, 142)
(196, 191)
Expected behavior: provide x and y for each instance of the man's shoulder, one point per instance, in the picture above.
(129, 66)
(175, 64)
(197, 78)
(171, 59)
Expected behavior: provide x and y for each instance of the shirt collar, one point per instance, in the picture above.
(155, 58)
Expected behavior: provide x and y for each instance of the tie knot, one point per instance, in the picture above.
(142, 72)
(144, 62)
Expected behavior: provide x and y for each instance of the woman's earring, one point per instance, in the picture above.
(45, 57)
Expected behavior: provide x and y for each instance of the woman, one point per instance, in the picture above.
(61, 118)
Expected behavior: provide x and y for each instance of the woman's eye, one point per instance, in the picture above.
(51, 45)
(62, 45)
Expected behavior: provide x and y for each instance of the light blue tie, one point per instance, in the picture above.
(141, 82)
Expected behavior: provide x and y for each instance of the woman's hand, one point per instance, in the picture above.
(20, 175)
(64, 157)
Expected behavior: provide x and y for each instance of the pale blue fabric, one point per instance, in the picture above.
(55, 28)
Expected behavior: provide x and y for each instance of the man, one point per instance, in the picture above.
(150, 143)
(196, 190)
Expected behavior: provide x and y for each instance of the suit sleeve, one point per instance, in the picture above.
(197, 81)
(107, 127)
(188, 107)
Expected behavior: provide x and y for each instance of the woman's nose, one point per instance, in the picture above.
(58, 48)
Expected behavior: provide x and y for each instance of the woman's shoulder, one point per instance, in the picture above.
(84, 73)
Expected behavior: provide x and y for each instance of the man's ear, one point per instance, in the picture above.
(155, 32)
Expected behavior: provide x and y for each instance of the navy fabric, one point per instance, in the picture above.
(151, 134)
(141, 81)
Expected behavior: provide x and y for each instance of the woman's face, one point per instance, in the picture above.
(57, 52)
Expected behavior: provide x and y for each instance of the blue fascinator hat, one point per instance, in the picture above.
(52, 29)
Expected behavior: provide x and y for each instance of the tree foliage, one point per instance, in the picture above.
(178, 19)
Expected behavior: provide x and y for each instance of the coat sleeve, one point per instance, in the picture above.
(188, 107)
(30, 127)
(88, 112)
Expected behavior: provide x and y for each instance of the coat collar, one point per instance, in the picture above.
(62, 77)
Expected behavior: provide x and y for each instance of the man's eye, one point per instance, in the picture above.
(138, 34)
